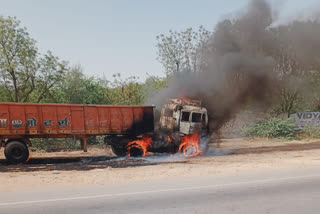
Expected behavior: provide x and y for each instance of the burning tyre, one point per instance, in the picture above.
(138, 147)
(189, 146)
(120, 151)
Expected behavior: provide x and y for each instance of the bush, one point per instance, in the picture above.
(56, 144)
(97, 141)
(311, 132)
(272, 128)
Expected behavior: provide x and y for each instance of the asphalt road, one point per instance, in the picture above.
(294, 191)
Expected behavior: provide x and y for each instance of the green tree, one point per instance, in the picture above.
(126, 91)
(93, 92)
(155, 83)
(313, 94)
(77, 88)
(72, 84)
(297, 68)
(50, 74)
(25, 74)
(180, 51)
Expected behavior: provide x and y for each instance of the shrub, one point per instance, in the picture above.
(272, 128)
(54, 144)
(97, 141)
(311, 131)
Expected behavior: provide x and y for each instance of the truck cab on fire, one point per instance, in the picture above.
(183, 116)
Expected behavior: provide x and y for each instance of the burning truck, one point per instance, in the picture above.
(182, 127)
(129, 130)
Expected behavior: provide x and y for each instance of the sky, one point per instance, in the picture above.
(119, 36)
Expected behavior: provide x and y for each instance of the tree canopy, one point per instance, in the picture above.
(25, 74)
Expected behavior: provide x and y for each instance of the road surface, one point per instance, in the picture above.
(294, 191)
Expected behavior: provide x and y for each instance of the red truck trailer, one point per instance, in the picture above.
(21, 121)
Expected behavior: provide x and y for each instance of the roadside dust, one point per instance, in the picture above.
(99, 167)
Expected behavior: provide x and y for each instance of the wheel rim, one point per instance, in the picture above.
(17, 153)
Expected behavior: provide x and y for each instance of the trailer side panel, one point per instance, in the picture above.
(60, 120)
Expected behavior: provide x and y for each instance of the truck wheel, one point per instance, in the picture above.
(119, 151)
(16, 152)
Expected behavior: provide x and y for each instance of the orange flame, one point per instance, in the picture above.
(189, 145)
(141, 144)
(169, 139)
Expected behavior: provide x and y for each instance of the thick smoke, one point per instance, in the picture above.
(240, 63)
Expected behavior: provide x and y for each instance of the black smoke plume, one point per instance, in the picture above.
(241, 60)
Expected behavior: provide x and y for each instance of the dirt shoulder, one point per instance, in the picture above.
(99, 166)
